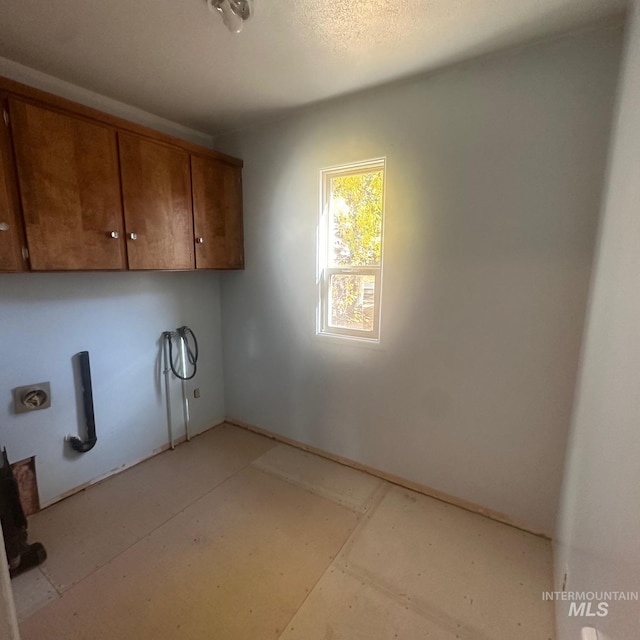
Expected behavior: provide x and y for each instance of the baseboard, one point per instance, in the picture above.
(393, 479)
(383, 475)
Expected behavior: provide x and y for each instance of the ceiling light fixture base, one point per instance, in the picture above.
(234, 12)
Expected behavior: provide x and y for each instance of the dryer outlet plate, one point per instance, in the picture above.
(32, 397)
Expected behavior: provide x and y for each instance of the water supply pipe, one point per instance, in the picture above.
(188, 356)
(166, 337)
(183, 378)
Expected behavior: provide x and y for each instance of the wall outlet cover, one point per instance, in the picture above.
(32, 397)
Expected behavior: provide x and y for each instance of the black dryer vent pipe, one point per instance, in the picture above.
(87, 397)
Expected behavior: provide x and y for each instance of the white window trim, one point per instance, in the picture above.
(324, 272)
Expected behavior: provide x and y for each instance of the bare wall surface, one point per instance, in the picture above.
(118, 317)
(494, 176)
(597, 539)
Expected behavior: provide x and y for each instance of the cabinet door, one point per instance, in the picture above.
(11, 233)
(70, 189)
(217, 213)
(156, 189)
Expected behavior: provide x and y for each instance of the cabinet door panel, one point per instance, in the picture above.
(69, 184)
(156, 187)
(11, 234)
(217, 209)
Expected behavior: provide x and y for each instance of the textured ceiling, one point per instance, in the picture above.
(175, 59)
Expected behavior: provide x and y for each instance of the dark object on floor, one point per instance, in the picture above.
(20, 555)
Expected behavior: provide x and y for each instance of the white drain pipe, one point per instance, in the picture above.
(186, 356)
(166, 336)
(185, 400)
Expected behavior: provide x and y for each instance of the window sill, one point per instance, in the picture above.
(352, 341)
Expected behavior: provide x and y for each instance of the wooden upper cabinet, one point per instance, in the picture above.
(156, 189)
(69, 186)
(84, 190)
(217, 214)
(12, 257)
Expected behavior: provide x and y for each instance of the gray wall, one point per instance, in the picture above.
(118, 317)
(494, 175)
(598, 541)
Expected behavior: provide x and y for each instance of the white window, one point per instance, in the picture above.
(350, 250)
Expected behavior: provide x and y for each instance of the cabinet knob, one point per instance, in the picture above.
(114, 234)
(200, 240)
(133, 236)
(4, 226)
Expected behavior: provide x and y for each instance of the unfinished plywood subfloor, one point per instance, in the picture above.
(87, 530)
(422, 568)
(349, 487)
(305, 550)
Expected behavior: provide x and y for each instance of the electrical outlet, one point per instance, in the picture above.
(589, 633)
(196, 392)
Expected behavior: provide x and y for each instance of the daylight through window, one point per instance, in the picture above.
(350, 250)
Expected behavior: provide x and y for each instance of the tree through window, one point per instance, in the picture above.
(350, 249)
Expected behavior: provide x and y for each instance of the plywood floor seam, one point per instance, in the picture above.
(380, 491)
(236, 536)
(396, 480)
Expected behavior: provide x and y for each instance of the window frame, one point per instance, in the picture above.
(325, 271)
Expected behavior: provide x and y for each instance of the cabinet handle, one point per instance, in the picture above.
(133, 236)
(200, 240)
(4, 226)
(114, 234)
